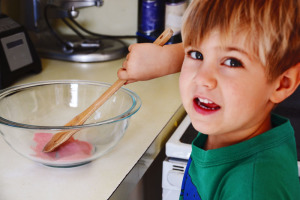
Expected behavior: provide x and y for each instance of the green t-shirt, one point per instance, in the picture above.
(261, 168)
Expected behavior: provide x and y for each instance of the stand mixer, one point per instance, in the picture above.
(39, 17)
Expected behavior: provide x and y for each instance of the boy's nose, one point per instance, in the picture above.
(206, 77)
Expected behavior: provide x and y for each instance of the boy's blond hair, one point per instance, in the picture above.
(271, 28)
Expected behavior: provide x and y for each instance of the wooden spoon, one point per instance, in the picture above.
(61, 137)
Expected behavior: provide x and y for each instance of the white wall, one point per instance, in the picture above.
(115, 17)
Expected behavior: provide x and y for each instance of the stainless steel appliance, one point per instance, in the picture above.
(39, 17)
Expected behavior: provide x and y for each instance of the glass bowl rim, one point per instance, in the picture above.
(128, 113)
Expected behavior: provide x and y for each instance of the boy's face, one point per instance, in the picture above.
(225, 90)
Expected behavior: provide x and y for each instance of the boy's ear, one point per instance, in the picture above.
(286, 84)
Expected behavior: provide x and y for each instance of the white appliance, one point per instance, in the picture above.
(178, 150)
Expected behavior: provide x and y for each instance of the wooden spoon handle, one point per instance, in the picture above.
(82, 117)
(164, 37)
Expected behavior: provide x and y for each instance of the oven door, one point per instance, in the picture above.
(173, 171)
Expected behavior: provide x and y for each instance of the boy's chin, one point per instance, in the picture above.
(205, 129)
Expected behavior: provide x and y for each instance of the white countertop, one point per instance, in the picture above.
(23, 179)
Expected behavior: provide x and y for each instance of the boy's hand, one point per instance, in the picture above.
(146, 61)
(142, 63)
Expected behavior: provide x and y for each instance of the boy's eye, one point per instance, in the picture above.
(231, 62)
(196, 55)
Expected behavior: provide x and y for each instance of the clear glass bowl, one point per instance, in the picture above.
(31, 113)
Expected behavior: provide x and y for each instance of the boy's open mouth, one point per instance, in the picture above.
(206, 104)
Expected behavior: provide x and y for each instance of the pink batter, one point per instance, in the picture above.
(69, 151)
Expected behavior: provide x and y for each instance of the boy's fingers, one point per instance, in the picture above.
(124, 64)
(130, 47)
(122, 74)
(127, 57)
(129, 81)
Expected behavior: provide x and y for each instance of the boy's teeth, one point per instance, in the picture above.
(205, 101)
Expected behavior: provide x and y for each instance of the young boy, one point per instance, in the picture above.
(238, 60)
